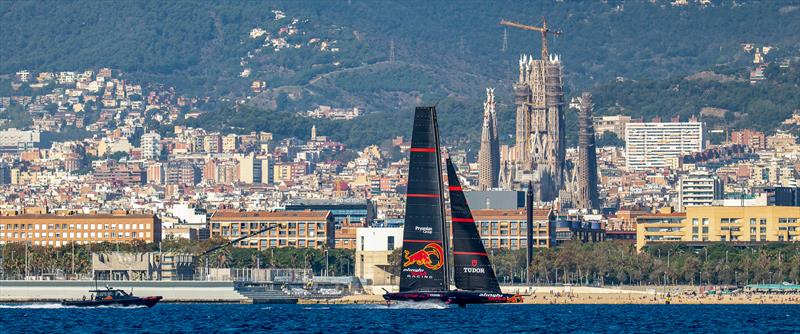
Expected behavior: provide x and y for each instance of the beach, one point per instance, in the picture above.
(596, 295)
(224, 292)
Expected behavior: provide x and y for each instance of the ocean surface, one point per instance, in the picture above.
(225, 318)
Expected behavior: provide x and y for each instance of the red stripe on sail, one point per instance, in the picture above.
(423, 241)
(423, 195)
(463, 220)
(423, 149)
(455, 188)
(470, 253)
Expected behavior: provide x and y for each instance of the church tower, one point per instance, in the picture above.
(586, 196)
(489, 154)
(540, 132)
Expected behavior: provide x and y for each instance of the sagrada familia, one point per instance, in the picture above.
(538, 155)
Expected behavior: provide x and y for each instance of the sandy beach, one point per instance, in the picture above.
(593, 295)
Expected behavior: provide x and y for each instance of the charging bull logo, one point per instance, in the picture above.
(429, 256)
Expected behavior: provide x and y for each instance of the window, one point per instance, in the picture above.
(705, 221)
(390, 242)
(752, 221)
(694, 221)
(362, 242)
(762, 221)
(705, 230)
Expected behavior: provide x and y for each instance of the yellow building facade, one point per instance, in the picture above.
(721, 224)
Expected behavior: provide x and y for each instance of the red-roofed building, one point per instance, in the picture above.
(303, 229)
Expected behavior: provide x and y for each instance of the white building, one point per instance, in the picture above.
(13, 140)
(189, 215)
(656, 145)
(151, 146)
(698, 188)
(374, 245)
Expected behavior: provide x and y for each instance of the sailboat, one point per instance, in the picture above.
(425, 267)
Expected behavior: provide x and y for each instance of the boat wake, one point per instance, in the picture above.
(406, 305)
(32, 306)
(58, 306)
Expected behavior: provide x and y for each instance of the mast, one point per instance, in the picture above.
(445, 231)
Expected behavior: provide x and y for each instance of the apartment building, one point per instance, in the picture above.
(739, 224)
(698, 188)
(507, 229)
(45, 229)
(303, 229)
(659, 145)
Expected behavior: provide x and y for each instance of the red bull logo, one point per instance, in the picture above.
(429, 256)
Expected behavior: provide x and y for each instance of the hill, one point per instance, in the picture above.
(388, 57)
(205, 47)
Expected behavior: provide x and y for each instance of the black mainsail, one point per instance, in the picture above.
(424, 262)
(473, 270)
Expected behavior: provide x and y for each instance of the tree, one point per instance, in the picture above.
(609, 138)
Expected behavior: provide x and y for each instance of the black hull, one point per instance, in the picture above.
(132, 302)
(454, 297)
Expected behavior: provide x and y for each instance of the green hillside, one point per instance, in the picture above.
(199, 45)
(444, 52)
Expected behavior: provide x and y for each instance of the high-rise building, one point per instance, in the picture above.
(151, 146)
(254, 169)
(540, 146)
(698, 188)
(659, 145)
(586, 196)
(489, 154)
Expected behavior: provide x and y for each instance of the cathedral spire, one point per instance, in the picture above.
(489, 154)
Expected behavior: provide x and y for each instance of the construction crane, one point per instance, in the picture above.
(543, 29)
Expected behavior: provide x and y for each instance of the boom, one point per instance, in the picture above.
(544, 30)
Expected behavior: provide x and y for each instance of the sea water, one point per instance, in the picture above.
(235, 318)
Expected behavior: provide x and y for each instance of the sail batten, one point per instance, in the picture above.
(473, 269)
